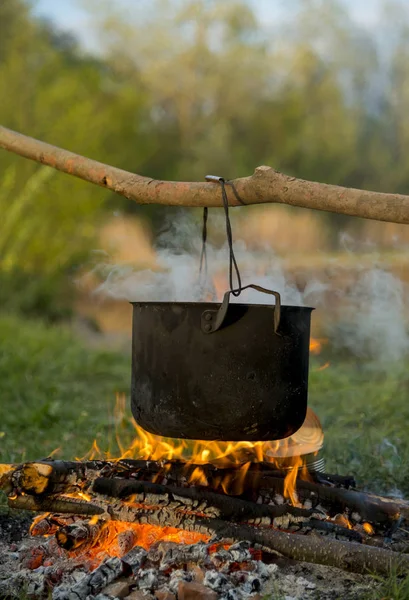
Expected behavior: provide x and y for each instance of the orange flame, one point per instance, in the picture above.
(281, 453)
(316, 345)
(367, 527)
(290, 479)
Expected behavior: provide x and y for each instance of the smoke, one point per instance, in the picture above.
(373, 324)
(364, 310)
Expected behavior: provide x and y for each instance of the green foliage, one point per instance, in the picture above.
(49, 221)
(204, 88)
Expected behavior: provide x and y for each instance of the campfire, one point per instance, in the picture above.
(178, 517)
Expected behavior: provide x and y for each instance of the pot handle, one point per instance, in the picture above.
(212, 320)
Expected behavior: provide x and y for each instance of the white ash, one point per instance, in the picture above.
(147, 579)
(135, 559)
(216, 581)
(176, 577)
(93, 583)
(240, 551)
(237, 575)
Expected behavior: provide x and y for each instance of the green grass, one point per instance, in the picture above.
(364, 410)
(54, 392)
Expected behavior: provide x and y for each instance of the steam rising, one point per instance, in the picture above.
(374, 323)
(366, 317)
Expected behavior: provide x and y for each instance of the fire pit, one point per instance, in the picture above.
(215, 523)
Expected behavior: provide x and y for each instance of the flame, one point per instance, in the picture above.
(323, 367)
(146, 446)
(290, 479)
(367, 527)
(283, 454)
(316, 345)
(342, 520)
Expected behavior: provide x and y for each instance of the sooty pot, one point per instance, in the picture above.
(225, 371)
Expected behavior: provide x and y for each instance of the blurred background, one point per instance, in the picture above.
(177, 89)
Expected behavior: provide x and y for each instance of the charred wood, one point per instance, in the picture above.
(75, 535)
(371, 508)
(344, 481)
(57, 476)
(348, 556)
(55, 505)
(93, 583)
(196, 499)
(338, 530)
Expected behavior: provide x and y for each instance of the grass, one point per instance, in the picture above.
(56, 393)
(364, 411)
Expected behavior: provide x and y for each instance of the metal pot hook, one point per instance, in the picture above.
(212, 320)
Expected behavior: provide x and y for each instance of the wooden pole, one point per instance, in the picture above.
(266, 185)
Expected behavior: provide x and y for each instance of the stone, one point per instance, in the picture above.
(118, 589)
(192, 590)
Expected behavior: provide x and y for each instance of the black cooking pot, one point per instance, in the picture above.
(220, 372)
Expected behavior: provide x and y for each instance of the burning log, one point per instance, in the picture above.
(75, 535)
(53, 476)
(117, 491)
(55, 505)
(56, 476)
(197, 499)
(371, 508)
(348, 556)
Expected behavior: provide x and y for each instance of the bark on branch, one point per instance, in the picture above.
(266, 185)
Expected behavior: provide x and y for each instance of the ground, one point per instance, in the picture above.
(57, 393)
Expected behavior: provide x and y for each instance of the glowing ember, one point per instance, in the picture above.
(368, 528)
(117, 538)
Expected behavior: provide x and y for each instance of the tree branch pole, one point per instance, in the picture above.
(266, 185)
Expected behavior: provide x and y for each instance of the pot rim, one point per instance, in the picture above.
(217, 304)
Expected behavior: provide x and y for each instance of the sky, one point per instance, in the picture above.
(68, 14)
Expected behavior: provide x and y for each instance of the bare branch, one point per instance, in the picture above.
(265, 186)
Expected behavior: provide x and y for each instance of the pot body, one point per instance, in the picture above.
(242, 382)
